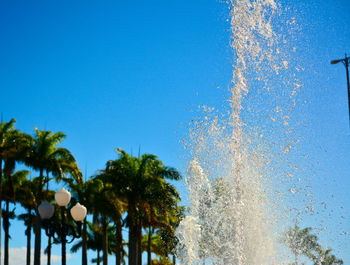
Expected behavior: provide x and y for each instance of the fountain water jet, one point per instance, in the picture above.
(229, 220)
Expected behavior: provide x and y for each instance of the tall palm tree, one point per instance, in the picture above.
(12, 181)
(11, 145)
(137, 179)
(45, 155)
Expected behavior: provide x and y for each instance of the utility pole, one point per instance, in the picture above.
(345, 61)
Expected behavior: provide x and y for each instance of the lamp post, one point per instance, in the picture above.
(63, 230)
(345, 61)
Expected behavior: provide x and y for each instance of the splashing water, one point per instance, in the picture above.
(231, 219)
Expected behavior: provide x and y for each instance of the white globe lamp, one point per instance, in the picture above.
(62, 197)
(78, 212)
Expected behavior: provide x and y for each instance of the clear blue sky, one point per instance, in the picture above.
(128, 73)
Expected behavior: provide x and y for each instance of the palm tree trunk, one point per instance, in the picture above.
(84, 244)
(49, 239)
(149, 253)
(133, 235)
(139, 240)
(133, 239)
(119, 243)
(49, 251)
(7, 236)
(98, 256)
(37, 247)
(28, 234)
(37, 243)
(105, 240)
(166, 249)
(0, 203)
(174, 259)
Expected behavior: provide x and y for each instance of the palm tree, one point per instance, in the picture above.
(162, 215)
(167, 233)
(324, 257)
(11, 145)
(139, 181)
(160, 210)
(44, 155)
(300, 241)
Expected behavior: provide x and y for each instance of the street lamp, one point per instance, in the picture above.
(345, 61)
(63, 230)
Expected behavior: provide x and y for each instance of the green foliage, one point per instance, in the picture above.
(324, 257)
(303, 242)
(300, 241)
(44, 154)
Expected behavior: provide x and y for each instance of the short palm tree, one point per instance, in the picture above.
(167, 233)
(324, 257)
(161, 215)
(300, 241)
